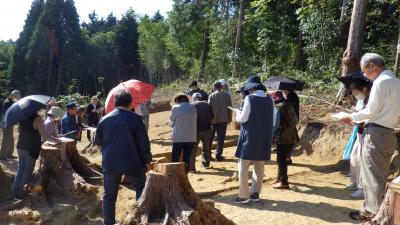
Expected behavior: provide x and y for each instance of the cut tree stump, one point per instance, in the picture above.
(68, 174)
(6, 180)
(389, 213)
(168, 199)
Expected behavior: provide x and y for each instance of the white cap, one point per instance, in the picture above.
(223, 82)
(197, 95)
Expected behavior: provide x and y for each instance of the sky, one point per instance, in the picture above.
(13, 12)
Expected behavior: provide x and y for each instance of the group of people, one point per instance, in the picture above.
(48, 124)
(201, 120)
(375, 140)
(265, 118)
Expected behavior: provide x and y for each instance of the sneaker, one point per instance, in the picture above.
(359, 194)
(206, 165)
(255, 197)
(352, 186)
(220, 158)
(239, 200)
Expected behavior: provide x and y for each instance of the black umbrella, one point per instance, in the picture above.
(23, 109)
(356, 76)
(283, 83)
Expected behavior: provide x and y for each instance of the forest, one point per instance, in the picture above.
(56, 54)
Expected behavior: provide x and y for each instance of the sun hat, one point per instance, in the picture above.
(254, 82)
(177, 95)
(223, 82)
(16, 94)
(55, 111)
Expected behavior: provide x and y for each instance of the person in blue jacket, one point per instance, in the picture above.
(125, 148)
(69, 124)
(255, 140)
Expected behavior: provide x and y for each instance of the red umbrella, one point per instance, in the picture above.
(141, 93)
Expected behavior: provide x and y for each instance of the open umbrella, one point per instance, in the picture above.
(23, 109)
(141, 93)
(283, 83)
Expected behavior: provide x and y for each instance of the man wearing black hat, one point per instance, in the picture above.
(69, 124)
(255, 140)
(194, 88)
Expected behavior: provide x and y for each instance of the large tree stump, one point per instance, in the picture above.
(6, 180)
(389, 213)
(168, 198)
(68, 174)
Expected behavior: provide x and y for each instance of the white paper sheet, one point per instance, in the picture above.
(233, 109)
(340, 115)
(92, 129)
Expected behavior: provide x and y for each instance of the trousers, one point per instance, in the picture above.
(7, 143)
(378, 148)
(257, 177)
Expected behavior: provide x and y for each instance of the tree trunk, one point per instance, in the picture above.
(352, 55)
(204, 51)
(62, 165)
(50, 70)
(342, 25)
(168, 198)
(59, 75)
(5, 186)
(238, 39)
(389, 212)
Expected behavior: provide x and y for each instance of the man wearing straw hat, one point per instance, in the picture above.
(183, 120)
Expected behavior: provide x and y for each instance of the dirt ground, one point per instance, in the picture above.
(317, 195)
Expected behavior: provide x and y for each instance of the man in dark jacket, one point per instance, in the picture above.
(7, 143)
(69, 123)
(255, 140)
(93, 111)
(204, 117)
(125, 148)
(194, 88)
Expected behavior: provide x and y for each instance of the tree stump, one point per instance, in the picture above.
(70, 174)
(389, 213)
(168, 199)
(6, 180)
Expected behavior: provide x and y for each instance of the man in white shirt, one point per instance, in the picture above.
(381, 115)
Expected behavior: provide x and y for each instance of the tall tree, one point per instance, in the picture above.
(19, 67)
(238, 38)
(352, 55)
(127, 38)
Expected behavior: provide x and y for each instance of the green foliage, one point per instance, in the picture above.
(6, 60)
(75, 98)
(297, 38)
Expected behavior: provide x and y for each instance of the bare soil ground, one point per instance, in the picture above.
(317, 179)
